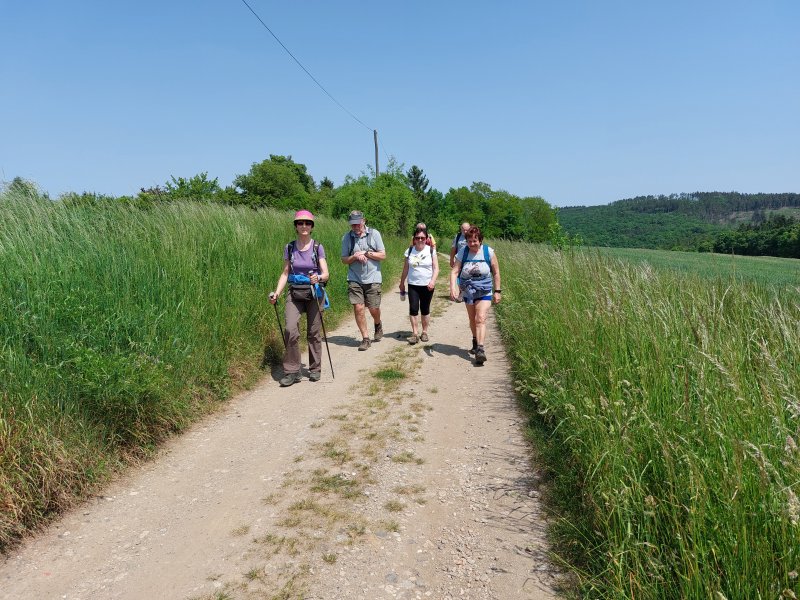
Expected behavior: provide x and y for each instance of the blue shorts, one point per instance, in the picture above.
(476, 300)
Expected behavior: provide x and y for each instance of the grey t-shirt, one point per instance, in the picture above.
(369, 272)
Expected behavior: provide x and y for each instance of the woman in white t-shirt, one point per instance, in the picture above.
(421, 268)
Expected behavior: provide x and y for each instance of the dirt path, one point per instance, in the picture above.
(406, 476)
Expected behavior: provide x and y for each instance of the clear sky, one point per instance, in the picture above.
(579, 102)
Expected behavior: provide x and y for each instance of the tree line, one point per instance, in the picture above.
(752, 224)
(778, 235)
(711, 206)
(393, 201)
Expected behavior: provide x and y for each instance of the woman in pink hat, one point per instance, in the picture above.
(304, 266)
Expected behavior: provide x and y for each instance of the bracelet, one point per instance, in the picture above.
(498, 291)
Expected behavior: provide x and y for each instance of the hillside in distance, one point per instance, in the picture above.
(674, 222)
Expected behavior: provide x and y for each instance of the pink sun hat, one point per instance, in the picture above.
(303, 215)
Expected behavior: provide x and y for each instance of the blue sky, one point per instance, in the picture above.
(574, 101)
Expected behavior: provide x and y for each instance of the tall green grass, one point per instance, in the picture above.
(120, 325)
(672, 403)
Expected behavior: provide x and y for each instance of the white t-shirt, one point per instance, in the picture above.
(420, 266)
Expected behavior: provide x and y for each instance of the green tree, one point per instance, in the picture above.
(418, 183)
(387, 202)
(199, 187)
(278, 182)
(321, 201)
(504, 216)
(539, 219)
(440, 215)
(467, 205)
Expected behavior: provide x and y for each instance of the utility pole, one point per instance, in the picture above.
(375, 136)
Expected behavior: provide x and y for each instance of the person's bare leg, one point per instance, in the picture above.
(361, 319)
(481, 313)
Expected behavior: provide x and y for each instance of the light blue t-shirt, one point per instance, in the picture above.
(369, 272)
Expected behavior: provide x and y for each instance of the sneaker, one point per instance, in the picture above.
(474, 346)
(423, 337)
(314, 376)
(364, 344)
(412, 339)
(480, 355)
(289, 379)
(378, 332)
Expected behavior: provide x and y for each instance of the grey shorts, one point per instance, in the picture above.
(368, 294)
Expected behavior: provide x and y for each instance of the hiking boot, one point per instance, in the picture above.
(423, 337)
(480, 355)
(365, 343)
(378, 332)
(314, 376)
(289, 379)
(474, 346)
(412, 339)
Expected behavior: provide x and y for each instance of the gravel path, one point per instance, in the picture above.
(406, 476)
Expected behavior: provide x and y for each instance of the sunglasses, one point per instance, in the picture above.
(309, 223)
(420, 238)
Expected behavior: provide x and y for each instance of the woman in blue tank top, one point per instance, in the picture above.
(476, 274)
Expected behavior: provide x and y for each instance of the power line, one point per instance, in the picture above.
(304, 69)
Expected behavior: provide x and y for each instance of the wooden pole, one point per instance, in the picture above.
(375, 136)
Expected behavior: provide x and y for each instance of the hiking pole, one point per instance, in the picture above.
(325, 337)
(277, 317)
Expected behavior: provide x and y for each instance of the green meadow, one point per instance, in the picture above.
(767, 270)
(121, 325)
(665, 404)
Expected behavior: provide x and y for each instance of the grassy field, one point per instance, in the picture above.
(666, 406)
(766, 270)
(121, 325)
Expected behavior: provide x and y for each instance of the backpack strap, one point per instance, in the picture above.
(290, 254)
(486, 257)
(459, 235)
(353, 240)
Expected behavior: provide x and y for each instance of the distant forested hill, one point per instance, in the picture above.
(678, 221)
